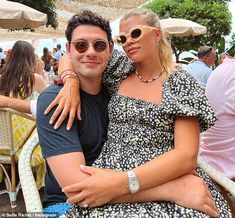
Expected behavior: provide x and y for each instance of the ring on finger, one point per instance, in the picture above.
(85, 205)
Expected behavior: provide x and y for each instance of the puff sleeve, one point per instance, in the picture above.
(119, 67)
(186, 97)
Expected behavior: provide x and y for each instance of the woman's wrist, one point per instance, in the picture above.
(69, 75)
(71, 81)
(123, 183)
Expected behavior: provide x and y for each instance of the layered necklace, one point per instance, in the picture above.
(148, 80)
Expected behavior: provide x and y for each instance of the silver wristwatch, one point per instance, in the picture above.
(133, 182)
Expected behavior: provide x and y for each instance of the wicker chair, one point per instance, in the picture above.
(9, 152)
(29, 188)
(31, 194)
(226, 185)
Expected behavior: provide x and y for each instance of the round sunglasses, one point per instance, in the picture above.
(136, 33)
(82, 45)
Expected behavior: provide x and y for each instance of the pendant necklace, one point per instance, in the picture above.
(148, 80)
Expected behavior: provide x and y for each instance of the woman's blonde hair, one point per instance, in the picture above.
(165, 51)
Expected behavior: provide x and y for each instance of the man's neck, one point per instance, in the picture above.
(203, 62)
(91, 86)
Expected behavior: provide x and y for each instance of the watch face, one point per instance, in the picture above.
(134, 186)
(133, 182)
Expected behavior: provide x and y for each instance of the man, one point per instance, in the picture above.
(54, 64)
(218, 142)
(200, 69)
(59, 52)
(90, 48)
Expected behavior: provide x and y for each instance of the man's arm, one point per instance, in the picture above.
(61, 148)
(66, 170)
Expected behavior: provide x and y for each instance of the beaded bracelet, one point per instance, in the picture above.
(67, 74)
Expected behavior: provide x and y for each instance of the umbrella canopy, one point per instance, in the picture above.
(14, 15)
(182, 27)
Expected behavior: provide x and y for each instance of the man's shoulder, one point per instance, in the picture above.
(197, 65)
(51, 90)
(47, 96)
(193, 64)
(59, 53)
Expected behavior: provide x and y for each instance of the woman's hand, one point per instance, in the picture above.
(68, 101)
(190, 191)
(39, 68)
(4, 101)
(100, 188)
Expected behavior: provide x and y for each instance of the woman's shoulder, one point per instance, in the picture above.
(180, 81)
(181, 76)
(187, 98)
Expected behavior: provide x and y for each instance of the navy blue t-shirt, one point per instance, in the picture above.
(87, 135)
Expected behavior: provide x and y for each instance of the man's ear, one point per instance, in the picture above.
(205, 60)
(68, 46)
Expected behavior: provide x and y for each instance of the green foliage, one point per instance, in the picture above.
(231, 50)
(214, 15)
(218, 1)
(221, 46)
(45, 6)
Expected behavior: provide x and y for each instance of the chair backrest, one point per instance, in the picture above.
(8, 121)
(217, 176)
(29, 188)
(15, 129)
(6, 130)
(227, 185)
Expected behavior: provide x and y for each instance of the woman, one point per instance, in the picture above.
(156, 115)
(20, 79)
(46, 57)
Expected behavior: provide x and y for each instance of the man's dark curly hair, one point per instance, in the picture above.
(87, 17)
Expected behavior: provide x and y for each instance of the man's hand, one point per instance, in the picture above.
(68, 101)
(100, 188)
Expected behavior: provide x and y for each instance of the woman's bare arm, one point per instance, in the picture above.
(68, 99)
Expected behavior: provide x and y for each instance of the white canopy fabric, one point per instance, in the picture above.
(14, 15)
(182, 27)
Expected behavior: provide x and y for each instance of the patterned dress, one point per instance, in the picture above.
(140, 131)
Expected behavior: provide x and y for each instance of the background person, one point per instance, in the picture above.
(23, 106)
(59, 52)
(200, 69)
(18, 80)
(54, 63)
(218, 142)
(46, 57)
